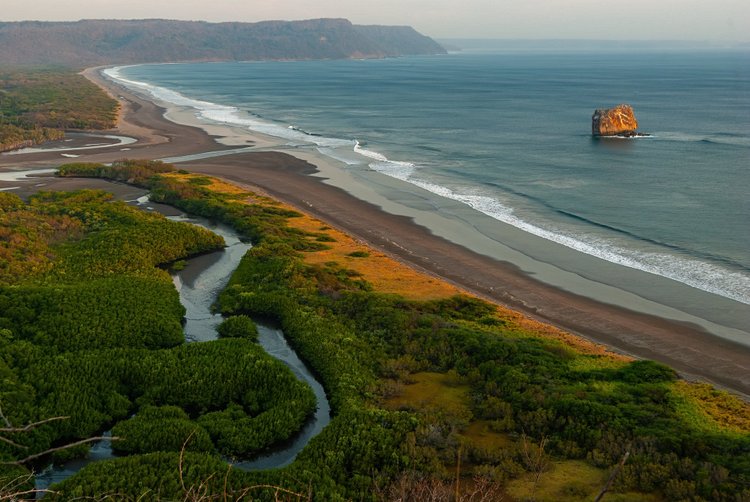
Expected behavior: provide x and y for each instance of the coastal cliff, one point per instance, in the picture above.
(98, 42)
(614, 121)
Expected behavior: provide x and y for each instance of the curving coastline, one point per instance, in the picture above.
(688, 348)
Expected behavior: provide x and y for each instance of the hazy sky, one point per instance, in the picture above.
(599, 19)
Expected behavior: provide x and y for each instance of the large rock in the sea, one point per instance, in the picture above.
(614, 121)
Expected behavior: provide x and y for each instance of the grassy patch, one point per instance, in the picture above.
(431, 390)
(570, 481)
(589, 362)
(384, 273)
(709, 409)
(480, 433)
(215, 185)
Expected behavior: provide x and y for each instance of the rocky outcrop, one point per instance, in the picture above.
(619, 120)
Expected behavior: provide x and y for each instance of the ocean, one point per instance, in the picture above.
(500, 142)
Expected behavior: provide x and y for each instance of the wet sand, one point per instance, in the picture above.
(688, 348)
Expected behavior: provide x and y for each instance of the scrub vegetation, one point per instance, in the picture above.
(38, 105)
(439, 396)
(91, 338)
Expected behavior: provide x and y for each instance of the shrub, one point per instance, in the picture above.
(238, 326)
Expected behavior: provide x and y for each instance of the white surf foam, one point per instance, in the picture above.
(696, 273)
(699, 274)
(394, 168)
(229, 115)
(339, 155)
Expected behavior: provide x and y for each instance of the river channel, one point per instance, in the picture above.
(199, 285)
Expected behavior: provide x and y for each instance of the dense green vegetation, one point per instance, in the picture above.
(520, 384)
(90, 337)
(534, 394)
(129, 171)
(238, 326)
(14, 137)
(94, 314)
(37, 105)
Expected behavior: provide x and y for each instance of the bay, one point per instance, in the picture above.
(507, 134)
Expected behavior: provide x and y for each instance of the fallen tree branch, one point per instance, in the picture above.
(13, 443)
(59, 448)
(612, 477)
(15, 489)
(28, 427)
(2, 415)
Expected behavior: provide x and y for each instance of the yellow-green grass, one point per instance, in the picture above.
(708, 409)
(569, 481)
(218, 186)
(445, 394)
(436, 391)
(480, 434)
(385, 274)
(588, 362)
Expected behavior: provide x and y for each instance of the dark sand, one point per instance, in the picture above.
(687, 348)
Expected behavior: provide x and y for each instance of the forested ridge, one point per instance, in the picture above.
(96, 42)
(430, 398)
(37, 105)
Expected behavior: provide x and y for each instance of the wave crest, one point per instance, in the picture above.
(700, 274)
(225, 114)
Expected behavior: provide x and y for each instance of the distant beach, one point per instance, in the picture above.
(306, 181)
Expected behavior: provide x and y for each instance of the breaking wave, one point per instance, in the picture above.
(677, 265)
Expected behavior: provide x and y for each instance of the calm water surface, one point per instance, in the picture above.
(507, 135)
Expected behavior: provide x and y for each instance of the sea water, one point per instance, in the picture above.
(506, 135)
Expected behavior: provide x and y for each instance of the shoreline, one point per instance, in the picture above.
(689, 349)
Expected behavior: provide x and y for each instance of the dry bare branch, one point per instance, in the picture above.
(13, 489)
(12, 443)
(2, 415)
(59, 448)
(28, 427)
(612, 476)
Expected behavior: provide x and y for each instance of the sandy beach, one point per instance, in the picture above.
(687, 347)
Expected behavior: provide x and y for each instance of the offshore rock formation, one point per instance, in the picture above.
(617, 121)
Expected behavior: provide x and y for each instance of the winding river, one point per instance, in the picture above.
(199, 285)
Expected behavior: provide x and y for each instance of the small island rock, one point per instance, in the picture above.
(619, 120)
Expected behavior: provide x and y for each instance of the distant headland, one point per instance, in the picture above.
(99, 42)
